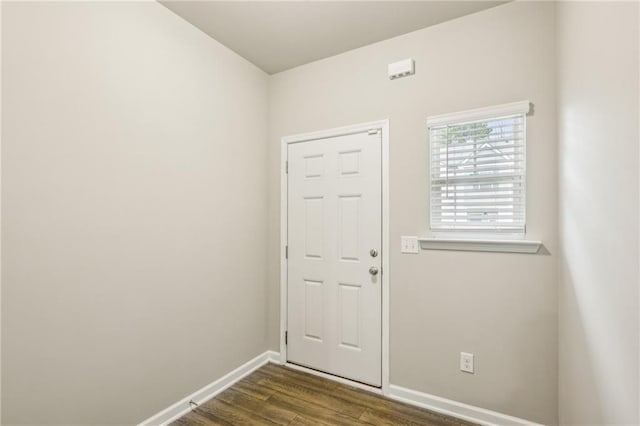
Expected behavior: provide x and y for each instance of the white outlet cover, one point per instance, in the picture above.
(409, 245)
(466, 362)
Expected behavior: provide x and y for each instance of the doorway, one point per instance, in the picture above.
(334, 268)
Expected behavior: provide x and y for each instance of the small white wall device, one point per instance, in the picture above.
(402, 68)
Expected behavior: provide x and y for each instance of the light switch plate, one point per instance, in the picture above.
(409, 245)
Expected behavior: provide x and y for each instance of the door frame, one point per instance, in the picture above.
(383, 127)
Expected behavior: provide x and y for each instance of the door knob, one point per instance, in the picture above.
(373, 270)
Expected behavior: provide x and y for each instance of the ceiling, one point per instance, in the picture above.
(278, 35)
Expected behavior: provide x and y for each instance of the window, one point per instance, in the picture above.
(478, 171)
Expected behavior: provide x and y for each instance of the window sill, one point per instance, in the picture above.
(503, 246)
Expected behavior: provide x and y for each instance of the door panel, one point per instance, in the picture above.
(349, 228)
(313, 227)
(313, 309)
(334, 303)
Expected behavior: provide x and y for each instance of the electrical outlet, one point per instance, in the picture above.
(466, 362)
(409, 245)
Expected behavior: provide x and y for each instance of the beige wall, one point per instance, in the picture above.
(598, 146)
(502, 307)
(133, 199)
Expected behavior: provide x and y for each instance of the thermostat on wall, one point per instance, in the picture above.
(402, 68)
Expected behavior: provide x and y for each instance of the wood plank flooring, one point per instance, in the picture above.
(277, 395)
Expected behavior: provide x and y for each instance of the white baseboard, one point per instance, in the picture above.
(419, 399)
(455, 409)
(182, 407)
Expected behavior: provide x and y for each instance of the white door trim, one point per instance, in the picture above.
(383, 126)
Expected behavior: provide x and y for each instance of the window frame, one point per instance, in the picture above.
(469, 116)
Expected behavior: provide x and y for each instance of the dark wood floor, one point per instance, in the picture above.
(283, 396)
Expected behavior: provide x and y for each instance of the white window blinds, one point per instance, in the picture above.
(478, 170)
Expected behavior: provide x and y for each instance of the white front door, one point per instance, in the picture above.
(334, 287)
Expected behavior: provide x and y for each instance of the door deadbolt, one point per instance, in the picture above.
(373, 252)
